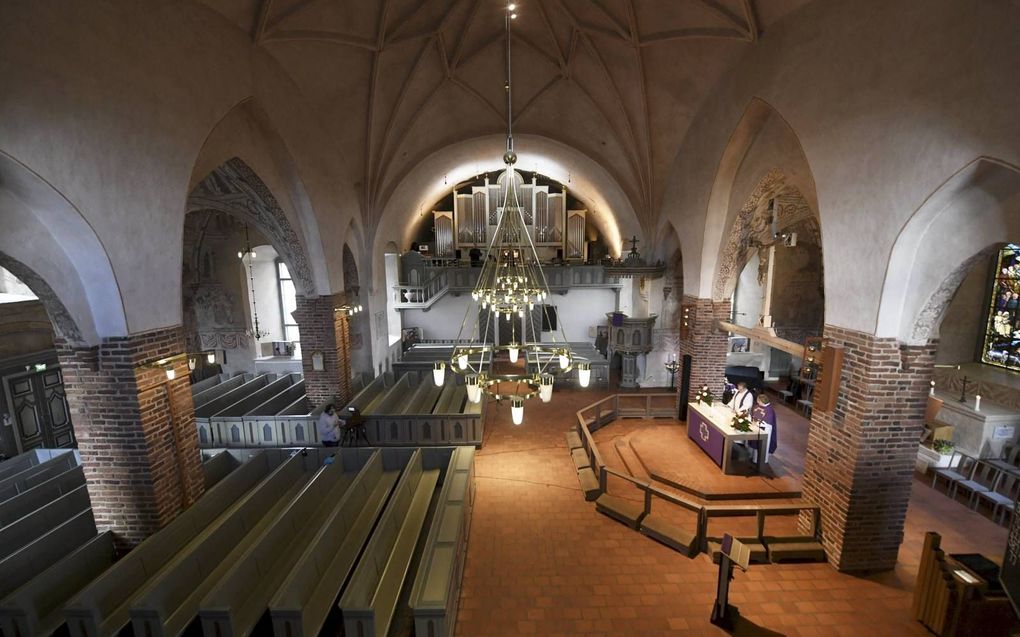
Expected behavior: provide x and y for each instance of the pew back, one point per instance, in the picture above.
(36, 475)
(35, 557)
(25, 503)
(34, 525)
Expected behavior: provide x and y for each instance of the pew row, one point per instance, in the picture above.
(36, 475)
(371, 598)
(25, 503)
(36, 609)
(37, 556)
(436, 589)
(169, 601)
(218, 467)
(303, 601)
(240, 597)
(52, 514)
(101, 609)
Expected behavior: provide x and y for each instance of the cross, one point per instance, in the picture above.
(633, 245)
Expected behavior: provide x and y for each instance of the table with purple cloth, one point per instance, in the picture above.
(709, 427)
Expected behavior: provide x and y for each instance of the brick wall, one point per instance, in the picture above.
(326, 331)
(706, 343)
(860, 456)
(135, 430)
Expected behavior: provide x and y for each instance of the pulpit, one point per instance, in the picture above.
(629, 337)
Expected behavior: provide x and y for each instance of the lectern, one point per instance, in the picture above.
(732, 552)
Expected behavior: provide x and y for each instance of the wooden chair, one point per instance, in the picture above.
(983, 479)
(963, 469)
(1010, 460)
(1002, 496)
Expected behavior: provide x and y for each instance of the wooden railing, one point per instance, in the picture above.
(423, 295)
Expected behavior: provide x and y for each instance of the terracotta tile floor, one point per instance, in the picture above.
(542, 561)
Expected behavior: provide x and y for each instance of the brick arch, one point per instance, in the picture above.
(234, 188)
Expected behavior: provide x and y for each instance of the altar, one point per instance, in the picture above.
(708, 426)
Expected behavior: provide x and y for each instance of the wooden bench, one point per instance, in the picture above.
(37, 556)
(580, 458)
(169, 601)
(371, 598)
(216, 468)
(36, 475)
(436, 591)
(627, 511)
(36, 609)
(25, 503)
(589, 484)
(792, 547)
(19, 463)
(660, 529)
(26, 529)
(101, 609)
(304, 599)
(239, 599)
(573, 440)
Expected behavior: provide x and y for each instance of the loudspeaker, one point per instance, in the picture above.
(685, 387)
(456, 254)
(559, 253)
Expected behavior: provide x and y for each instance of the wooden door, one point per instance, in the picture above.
(39, 408)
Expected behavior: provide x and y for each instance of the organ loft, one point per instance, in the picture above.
(489, 318)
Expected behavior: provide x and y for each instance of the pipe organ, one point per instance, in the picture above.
(477, 207)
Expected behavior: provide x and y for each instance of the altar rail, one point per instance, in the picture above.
(696, 537)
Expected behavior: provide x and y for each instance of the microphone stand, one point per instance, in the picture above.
(761, 450)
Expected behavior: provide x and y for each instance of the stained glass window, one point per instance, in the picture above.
(1002, 334)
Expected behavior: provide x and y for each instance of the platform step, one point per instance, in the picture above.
(672, 535)
(803, 547)
(627, 511)
(630, 460)
(589, 484)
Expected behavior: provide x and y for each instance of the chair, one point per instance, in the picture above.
(962, 469)
(804, 405)
(1002, 496)
(1010, 460)
(983, 479)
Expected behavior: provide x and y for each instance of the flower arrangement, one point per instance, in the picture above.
(741, 422)
(943, 447)
(704, 395)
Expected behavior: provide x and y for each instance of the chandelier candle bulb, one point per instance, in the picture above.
(564, 361)
(584, 374)
(462, 361)
(171, 373)
(439, 373)
(474, 392)
(517, 409)
(514, 352)
(545, 388)
(977, 402)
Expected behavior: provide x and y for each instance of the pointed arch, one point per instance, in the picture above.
(966, 219)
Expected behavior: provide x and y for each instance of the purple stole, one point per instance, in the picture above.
(765, 413)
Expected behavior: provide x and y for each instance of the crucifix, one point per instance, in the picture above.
(633, 245)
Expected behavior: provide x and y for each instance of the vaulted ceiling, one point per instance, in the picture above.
(393, 81)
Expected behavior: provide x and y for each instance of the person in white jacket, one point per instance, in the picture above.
(743, 400)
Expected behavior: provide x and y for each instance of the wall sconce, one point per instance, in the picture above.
(171, 373)
(688, 314)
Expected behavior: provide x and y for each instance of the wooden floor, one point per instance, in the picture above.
(541, 561)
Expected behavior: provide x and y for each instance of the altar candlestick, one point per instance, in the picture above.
(977, 402)
(931, 392)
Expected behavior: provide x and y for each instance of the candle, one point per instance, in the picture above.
(977, 403)
(932, 390)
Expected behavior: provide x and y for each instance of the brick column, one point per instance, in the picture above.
(706, 343)
(136, 431)
(325, 331)
(861, 455)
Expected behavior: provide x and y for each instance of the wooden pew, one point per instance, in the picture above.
(36, 609)
(19, 463)
(25, 503)
(33, 476)
(218, 467)
(239, 599)
(436, 591)
(35, 557)
(371, 598)
(34, 525)
(101, 609)
(169, 601)
(302, 602)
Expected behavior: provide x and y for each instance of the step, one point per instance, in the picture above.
(672, 535)
(627, 511)
(589, 484)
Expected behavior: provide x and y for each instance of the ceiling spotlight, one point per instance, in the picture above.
(513, 16)
(511, 6)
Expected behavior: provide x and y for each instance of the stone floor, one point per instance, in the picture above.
(542, 561)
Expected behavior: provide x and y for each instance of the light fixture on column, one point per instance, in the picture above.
(211, 358)
(192, 362)
(166, 364)
(511, 283)
(171, 373)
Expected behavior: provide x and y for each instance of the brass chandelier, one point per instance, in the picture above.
(509, 286)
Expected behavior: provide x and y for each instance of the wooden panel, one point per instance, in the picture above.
(827, 385)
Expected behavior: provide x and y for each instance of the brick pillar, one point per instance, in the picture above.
(136, 431)
(861, 455)
(325, 331)
(706, 343)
